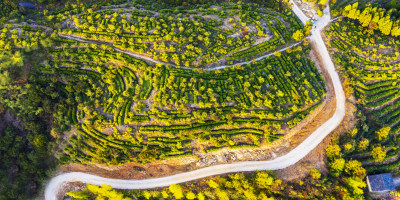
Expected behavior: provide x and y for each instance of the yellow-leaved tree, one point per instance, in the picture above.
(378, 153)
(176, 190)
(382, 133)
(322, 2)
(103, 192)
(365, 17)
(385, 25)
(395, 29)
(373, 18)
(351, 11)
(298, 35)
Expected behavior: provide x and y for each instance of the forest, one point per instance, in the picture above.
(26, 150)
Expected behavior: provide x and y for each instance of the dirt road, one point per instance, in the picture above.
(137, 56)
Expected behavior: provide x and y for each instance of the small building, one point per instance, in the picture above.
(26, 5)
(380, 183)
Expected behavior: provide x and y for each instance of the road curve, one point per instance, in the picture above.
(284, 161)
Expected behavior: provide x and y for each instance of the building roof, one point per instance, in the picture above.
(380, 182)
(26, 5)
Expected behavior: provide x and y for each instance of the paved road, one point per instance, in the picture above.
(297, 11)
(278, 163)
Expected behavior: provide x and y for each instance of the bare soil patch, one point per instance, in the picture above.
(126, 171)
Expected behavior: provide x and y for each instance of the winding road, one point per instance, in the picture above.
(56, 183)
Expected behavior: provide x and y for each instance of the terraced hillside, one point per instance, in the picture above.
(144, 113)
(114, 108)
(190, 38)
(371, 67)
